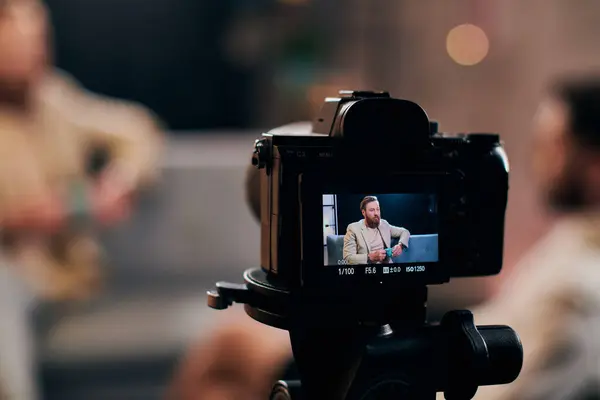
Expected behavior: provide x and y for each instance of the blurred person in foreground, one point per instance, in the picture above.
(50, 203)
(552, 298)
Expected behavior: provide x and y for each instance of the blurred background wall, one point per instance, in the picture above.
(219, 72)
(243, 64)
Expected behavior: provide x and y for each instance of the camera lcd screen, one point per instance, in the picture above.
(387, 233)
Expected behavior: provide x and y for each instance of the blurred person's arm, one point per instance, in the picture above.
(44, 214)
(239, 359)
(131, 134)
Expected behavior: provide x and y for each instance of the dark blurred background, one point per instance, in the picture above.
(198, 64)
(218, 72)
(415, 212)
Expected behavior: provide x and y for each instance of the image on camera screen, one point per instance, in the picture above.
(366, 229)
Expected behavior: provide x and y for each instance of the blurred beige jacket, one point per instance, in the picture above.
(552, 301)
(46, 151)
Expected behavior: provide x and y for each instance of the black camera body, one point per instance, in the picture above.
(364, 143)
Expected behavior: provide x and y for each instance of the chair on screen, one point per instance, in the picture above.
(422, 248)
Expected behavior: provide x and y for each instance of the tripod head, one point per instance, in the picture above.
(395, 354)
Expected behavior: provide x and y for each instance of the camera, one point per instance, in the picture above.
(449, 192)
(359, 214)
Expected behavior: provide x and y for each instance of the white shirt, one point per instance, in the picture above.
(374, 240)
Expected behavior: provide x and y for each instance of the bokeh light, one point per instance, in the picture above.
(467, 44)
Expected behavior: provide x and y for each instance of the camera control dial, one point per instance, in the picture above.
(484, 139)
(363, 93)
(260, 156)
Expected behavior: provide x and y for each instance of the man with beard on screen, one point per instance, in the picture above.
(366, 240)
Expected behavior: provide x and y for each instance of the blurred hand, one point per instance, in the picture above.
(44, 214)
(397, 250)
(377, 255)
(111, 199)
(240, 360)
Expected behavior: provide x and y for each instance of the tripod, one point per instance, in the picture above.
(368, 348)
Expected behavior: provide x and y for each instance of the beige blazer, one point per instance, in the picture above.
(45, 151)
(356, 247)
